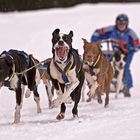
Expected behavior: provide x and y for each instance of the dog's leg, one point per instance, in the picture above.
(76, 97)
(119, 83)
(83, 91)
(106, 99)
(49, 91)
(18, 103)
(99, 98)
(62, 99)
(33, 78)
(92, 92)
(22, 95)
(61, 115)
(76, 94)
(17, 114)
(37, 99)
(93, 86)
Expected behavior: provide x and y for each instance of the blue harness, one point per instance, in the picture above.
(66, 69)
(69, 65)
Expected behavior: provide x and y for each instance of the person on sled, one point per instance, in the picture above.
(125, 37)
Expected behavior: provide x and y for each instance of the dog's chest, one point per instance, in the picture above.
(92, 78)
(14, 82)
(56, 74)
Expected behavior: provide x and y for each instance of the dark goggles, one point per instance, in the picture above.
(121, 22)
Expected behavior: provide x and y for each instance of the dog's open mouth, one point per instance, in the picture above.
(62, 52)
(90, 61)
(121, 67)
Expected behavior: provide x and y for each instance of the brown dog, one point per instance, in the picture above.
(98, 71)
(45, 77)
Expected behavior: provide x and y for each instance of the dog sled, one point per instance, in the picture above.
(109, 46)
(107, 49)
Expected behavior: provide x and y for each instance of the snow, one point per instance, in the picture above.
(32, 32)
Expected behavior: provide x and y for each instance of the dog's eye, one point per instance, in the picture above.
(117, 58)
(66, 38)
(124, 59)
(56, 39)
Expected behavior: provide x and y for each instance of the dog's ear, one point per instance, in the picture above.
(71, 34)
(85, 41)
(56, 31)
(99, 43)
(9, 61)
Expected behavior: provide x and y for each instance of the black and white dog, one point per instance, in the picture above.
(12, 65)
(66, 72)
(118, 62)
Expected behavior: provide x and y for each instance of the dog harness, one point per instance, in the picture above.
(9, 53)
(66, 69)
(14, 68)
(94, 65)
(69, 65)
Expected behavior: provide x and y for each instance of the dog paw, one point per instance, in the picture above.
(106, 106)
(85, 68)
(60, 116)
(17, 118)
(94, 78)
(100, 101)
(88, 100)
(39, 110)
(75, 116)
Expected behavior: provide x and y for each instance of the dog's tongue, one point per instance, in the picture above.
(61, 52)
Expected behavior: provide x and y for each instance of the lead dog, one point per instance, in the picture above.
(98, 71)
(13, 63)
(66, 72)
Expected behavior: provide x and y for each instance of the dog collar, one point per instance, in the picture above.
(14, 67)
(99, 56)
(64, 61)
(66, 69)
(11, 77)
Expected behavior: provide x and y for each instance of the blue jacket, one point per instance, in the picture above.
(111, 32)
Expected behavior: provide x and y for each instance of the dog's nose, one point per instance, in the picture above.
(61, 43)
(89, 57)
(121, 64)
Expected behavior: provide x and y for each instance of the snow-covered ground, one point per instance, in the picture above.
(32, 32)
